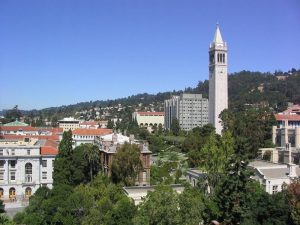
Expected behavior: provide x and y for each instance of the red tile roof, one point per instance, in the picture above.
(92, 132)
(151, 113)
(20, 137)
(89, 123)
(290, 117)
(16, 128)
(49, 148)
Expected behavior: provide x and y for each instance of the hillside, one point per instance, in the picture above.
(245, 88)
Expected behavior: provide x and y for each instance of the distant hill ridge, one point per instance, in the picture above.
(245, 87)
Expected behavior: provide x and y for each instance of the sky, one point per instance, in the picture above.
(61, 52)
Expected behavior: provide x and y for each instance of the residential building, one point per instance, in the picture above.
(218, 79)
(25, 165)
(88, 136)
(109, 146)
(69, 123)
(149, 119)
(191, 110)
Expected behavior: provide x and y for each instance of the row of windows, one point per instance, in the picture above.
(28, 172)
(12, 152)
(12, 193)
(14, 162)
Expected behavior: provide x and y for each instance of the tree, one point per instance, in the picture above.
(293, 194)
(126, 164)
(231, 194)
(191, 205)
(63, 161)
(110, 124)
(160, 207)
(175, 128)
(91, 153)
(13, 114)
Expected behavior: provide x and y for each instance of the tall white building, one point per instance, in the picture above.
(191, 110)
(218, 87)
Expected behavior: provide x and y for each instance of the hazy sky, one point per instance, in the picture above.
(56, 52)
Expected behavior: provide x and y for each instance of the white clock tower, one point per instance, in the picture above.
(218, 88)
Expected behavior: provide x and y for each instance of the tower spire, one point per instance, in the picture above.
(218, 37)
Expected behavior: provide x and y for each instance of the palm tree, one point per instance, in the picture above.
(91, 153)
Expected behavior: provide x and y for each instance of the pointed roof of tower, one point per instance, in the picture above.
(218, 36)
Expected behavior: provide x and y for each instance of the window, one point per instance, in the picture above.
(44, 163)
(12, 152)
(13, 164)
(44, 175)
(12, 193)
(2, 162)
(1, 151)
(12, 175)
(275, 189)
(28, 172)
(1, 175)
(28, 152)
(28, 192)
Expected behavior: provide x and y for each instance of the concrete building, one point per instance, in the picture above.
(274, 176)
(191, 110)
(88, 136)
(109, 146)
(69, 123)
(24, 167)
(218, 79)
(149, 119)
(137, 193)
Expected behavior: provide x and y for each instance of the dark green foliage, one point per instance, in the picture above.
(110, 124)
(63, 161)
(2, 206)
(99, 203)
(175, 128)
(159, 208)
(12, 114)
(251, 128)
(126, 164)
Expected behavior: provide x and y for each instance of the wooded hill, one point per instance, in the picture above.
(274, 90)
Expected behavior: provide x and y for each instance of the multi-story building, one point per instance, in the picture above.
(88, 136)
(25, 166)
(69, 123)
(191, 110)
(109, 146)
(218, 79)
(145, 119)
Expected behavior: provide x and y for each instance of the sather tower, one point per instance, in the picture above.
(218, 88)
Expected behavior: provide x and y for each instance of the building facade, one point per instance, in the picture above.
(88, 136)
(25, 166)
(69, 124)
(145, 119)
(109, 146)
(218, 79)
(191, 110)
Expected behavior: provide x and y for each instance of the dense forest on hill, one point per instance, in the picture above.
(274, 90)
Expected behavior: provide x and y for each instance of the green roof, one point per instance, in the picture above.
(16, 123)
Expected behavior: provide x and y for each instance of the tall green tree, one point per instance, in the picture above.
(126, 164)
(63, 161)
(175, 127)
(91, 153)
